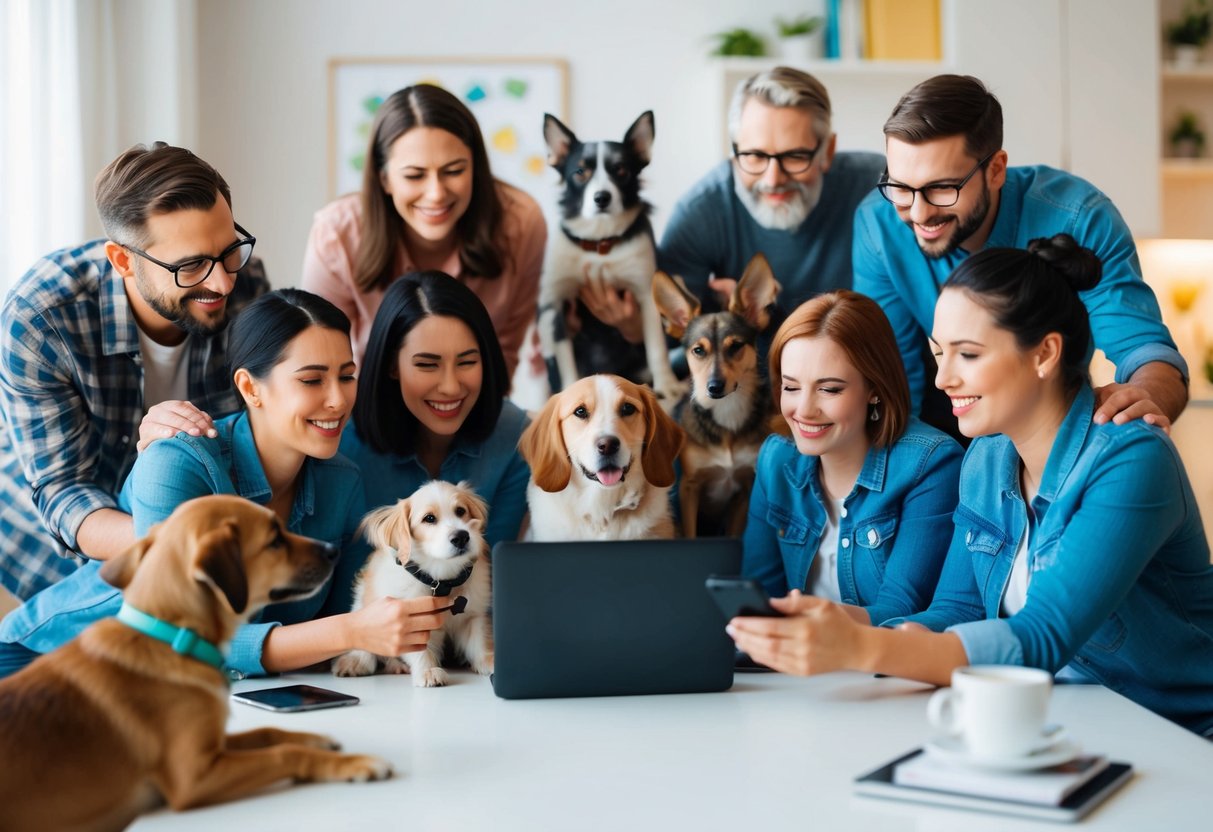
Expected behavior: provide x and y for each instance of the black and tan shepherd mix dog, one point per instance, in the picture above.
(728, 414)
(118, 721)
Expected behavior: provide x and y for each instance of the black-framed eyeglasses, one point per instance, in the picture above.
(191, 272)
(941, 196)
(791, 162)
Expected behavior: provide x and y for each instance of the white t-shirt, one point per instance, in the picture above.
(165, 372)
(1016, 594)
(823, 574)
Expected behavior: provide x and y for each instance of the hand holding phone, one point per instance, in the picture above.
(740, 596)
(291, 698)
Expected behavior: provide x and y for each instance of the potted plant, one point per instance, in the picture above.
(1190, 33)
(739, 41)
(799, 38)
(1187, 139)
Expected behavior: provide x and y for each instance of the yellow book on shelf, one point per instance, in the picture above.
(902, 30)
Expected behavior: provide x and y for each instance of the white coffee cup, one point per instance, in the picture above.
(998, 711)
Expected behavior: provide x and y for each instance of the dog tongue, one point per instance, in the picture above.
(610, 476)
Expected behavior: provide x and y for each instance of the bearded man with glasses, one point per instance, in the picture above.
(947, 193)
(112, 344)
(785, 192)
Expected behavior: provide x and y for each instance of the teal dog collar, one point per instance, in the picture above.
(184, 641)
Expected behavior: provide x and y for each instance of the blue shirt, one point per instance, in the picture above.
(1121, 588)
(71, 396)
(1035, 202)
(328, 506)
(712, 233)
(495, 469)
(893, 529)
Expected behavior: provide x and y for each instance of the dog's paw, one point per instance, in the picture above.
(434, 677)
(485, 667)
(358, 768)
(354, 663)
(395, 665)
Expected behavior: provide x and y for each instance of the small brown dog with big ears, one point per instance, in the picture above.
(116, 722)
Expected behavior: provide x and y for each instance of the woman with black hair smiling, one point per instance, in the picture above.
(1078, 547)
(431, 402)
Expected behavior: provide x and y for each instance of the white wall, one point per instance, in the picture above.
(1077, 79)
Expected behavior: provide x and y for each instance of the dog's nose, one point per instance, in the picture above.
(602, 198)
(716, 388)
(608, 445)
(328, 551)
(460, 539)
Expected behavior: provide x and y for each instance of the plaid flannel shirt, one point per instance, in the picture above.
(71, 394)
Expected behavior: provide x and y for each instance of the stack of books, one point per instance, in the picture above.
(1064, 792)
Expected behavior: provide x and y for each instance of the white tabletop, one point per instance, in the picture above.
(772, 753)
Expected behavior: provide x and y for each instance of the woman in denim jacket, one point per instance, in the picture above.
(295, 373)
(431, 402)
(1078, 546)
(857, 506)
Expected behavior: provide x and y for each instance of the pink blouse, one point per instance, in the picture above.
(332, 250)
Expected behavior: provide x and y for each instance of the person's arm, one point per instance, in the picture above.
(328, 268)
(761, 558)
(819, 636)
(872, 278)
(924, 530)
(1126, 323)
(508, 505)
(53, 433)
(526, 260)
(105, 533)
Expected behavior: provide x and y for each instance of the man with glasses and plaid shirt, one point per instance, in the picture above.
(108, 346)
(784, 192)
(947, 193)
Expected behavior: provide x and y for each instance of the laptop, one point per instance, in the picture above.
(610, 618)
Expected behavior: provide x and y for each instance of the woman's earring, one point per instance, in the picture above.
(874, 413)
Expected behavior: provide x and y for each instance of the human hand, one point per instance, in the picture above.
(1120, 403)
(395, 626)
(815, 636)
(724, 287)
(170, 418)
(614, 307)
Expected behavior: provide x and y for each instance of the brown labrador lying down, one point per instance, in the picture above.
(116, 722)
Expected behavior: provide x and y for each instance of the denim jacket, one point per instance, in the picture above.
(1121, 591)
(893, 529)
(328, 505)
(495, 469)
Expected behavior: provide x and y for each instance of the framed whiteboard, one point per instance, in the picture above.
(508, 97)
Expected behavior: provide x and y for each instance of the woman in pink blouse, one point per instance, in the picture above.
(429, 203)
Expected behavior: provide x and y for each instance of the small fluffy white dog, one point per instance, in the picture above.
(602, 457)
(429, 543)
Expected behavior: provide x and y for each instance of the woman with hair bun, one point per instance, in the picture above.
(1078, 548)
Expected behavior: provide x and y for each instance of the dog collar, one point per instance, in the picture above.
(439, 588)
(182, 640)
(605, 245)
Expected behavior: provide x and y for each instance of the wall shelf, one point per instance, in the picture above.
(1179, 169)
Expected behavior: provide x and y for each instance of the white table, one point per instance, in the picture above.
(773, 753)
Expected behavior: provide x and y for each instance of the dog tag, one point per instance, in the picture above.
(460, 603)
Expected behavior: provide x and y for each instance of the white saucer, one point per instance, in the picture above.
(953, 750)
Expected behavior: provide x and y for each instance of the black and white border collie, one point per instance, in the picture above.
(605, 236)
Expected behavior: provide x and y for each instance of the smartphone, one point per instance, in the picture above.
(294, 698)
(740, 596)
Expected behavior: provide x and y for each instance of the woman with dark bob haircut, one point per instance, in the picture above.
(1078, 547)
(293, 367)
(429, 202)
(856, 506)
(431, 402)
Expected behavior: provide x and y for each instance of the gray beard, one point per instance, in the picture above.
(786, 217)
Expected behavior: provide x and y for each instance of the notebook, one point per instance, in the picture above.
(880, 783)
(1048, 786)
(610, 618)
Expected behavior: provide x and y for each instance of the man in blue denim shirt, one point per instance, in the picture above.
(96, 339)
(948, 193)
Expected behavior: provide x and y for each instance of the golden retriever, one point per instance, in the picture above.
(116, 722)
(430, 543)
(602, 457)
